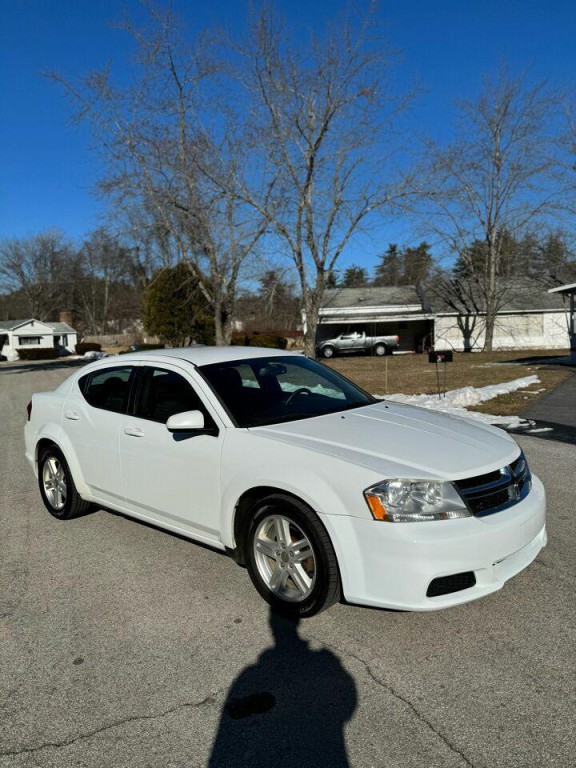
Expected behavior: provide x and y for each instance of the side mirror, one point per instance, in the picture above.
(188, 421)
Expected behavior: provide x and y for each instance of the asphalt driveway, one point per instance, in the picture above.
(555, 413)
(121, 645)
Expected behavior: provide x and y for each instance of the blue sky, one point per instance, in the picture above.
(48, 169)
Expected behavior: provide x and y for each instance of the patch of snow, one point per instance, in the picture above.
(93, 355)
(456, 401)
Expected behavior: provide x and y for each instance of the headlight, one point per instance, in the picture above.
(409, 501)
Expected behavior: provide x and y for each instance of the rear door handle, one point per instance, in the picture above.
(133, 431)
(72, 415)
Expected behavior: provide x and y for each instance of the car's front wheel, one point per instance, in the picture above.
(57, 487)
(328, 351)
(290, 557)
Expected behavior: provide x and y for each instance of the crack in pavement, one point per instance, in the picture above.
(210, 699)
(387, 687)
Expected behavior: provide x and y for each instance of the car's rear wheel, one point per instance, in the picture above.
(328, 351)
(291, 560)
(380, 350)
(57, 487)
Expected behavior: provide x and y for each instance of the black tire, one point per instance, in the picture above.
(328, 351)
(325, 583)
(380, 350)
(57, 487)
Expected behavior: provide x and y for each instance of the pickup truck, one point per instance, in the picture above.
(357, 342)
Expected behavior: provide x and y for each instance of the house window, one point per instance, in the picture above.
(29, 341)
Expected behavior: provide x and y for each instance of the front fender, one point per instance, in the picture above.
(327, 485)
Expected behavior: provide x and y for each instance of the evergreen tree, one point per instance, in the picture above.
(175, 309)
(387, 273)
(470, 261)
(417, 264)
(553, 257)
(355, 277)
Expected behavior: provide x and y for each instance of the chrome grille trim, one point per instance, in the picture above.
(496, 491)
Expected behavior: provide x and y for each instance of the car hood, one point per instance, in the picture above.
(396, 439)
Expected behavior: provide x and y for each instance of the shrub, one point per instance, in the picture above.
(141, 348)
(269, 340)
(239, 339)
(144, 347)
(87, 346)
(37, 353)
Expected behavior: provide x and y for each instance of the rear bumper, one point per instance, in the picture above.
(391, 565)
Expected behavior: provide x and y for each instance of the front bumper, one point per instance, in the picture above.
(391, 565)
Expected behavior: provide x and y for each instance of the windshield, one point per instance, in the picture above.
(262, 390)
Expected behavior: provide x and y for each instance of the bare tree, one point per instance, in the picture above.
(106, 268)
(39, 267)
(498, 175)
(323, 122)
(169, 153)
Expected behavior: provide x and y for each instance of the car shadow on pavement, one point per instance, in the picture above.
(548, 430)
(287, 709)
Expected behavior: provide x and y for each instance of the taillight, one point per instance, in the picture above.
(29, 409)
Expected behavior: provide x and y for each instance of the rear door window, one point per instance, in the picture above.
(109, 388)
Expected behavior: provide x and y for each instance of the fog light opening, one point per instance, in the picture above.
(446, 585)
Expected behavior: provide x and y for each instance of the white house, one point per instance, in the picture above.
(569, 292)
(35, 334)
(387, 311)
(529, 317)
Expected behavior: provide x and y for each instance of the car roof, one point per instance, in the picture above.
(204, 355)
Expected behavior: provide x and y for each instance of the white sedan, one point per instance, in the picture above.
(322, 491)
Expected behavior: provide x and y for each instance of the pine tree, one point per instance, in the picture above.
(387, 273)
(355, 277)
(175, 309)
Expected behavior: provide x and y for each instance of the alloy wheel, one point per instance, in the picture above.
(54, 482)
(285, 558)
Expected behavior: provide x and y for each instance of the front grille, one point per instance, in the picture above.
(445, 585)
(495, 491)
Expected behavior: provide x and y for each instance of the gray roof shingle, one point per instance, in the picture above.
(371, 297)
(9, 325)
(520, 294)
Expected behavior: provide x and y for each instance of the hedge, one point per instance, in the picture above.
(240, 339)
(141, 348)
(271, 340)
(37, 353)
(87, 346)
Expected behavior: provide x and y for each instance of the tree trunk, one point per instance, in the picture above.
(312, 300)
(489, 332)
(222, 324)
(490, 297)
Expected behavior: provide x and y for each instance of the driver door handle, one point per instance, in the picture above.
(72, 415)
(134, 431)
